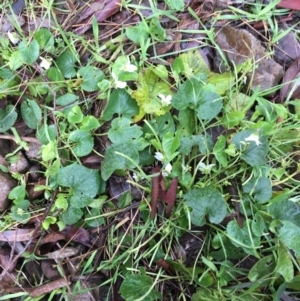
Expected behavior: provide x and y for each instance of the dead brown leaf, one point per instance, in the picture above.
(158, 191)
(289, 90)
(101, 9)
(291, 4)
(19, 235)
(48, 287)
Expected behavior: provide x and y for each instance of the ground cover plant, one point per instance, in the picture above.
(149, 150)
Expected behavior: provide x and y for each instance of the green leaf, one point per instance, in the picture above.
(206, 295)
(119, 70)
(284, 263)
(254, 155)
(84, 182)
(190, 64)
(49, 220)
(121, 130)
(206, 201)
(93, 219)
(156, 30)
(135, 287)
(149, 87)
(20, 214)
(54, 74)
(121, 103)
(89, 123)
(232, 119)
(138, 34)
(46, 134)
(240, 237)
(187, 122)
(262, 269)
(197, 96)
(8, 116)
(261, 188)
(49, 151)
(72, 215)
(29, 52)
(170, 144)
(289, 234)
(210, 104)
(113, 161)
(258, 225)
(285, 210)
(45, 39)
(8, 83)
(186, 144)
(66, 64)
(219, 151)
(66, 99)
(162, 125)
(91, 77)
(75, 115)
(31, 113)
(221, 81)
(177, 5)
(16, 60)
(239, 102)
(82, 142)
(17, 193)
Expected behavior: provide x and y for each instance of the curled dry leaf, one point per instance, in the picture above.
(48, 287)
(159, 191)
(79, 235)
(63, 253)
(19, 235)
(101, 10)
(291, 82)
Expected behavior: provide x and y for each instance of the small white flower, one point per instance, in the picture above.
(206, 169)
(167, 170)
(129, 67)
(135, 177)
(117, 83)
(13, 37)
(159, 156)
(254, 138)
(185, 168)
(165, 100)
(45, 63)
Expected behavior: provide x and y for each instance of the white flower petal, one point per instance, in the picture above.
(45, 63)
(206, 169)
(158, 156)
(165, 100)
(254, 138)
(117, 83)
(168, 168)
(120, 85)
(13, 37)
(129, 67)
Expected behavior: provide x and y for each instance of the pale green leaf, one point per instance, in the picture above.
(146, 95)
